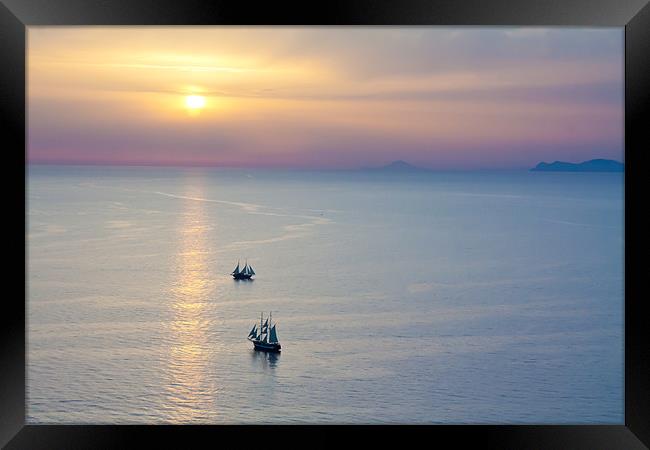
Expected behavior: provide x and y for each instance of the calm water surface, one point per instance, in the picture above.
(414, 298)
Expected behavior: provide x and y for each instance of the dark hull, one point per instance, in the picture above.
(241, 276)
(264, 347)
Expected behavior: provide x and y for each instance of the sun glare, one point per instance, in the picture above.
(195, 101)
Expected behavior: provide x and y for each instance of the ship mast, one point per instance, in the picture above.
(261, 318)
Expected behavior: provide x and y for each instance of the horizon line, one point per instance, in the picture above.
(211, 165)
(270, 167)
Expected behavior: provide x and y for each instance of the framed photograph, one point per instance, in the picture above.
(361, 213)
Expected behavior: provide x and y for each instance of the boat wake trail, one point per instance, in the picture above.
(248, 207)
(292, 231)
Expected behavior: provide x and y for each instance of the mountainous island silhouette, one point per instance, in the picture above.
(398, 166)
(593, 165)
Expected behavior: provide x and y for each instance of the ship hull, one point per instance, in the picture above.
(241, 276)
(266, 347)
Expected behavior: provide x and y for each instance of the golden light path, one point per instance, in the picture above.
(189, 388)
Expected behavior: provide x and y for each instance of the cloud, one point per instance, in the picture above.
(325, 96)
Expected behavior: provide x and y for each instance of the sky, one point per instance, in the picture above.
(450, 98)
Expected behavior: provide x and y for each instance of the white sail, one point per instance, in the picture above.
(250, 270)
(236, 271)
(273, 337)
(253, 333)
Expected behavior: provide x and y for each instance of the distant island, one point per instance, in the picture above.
(398, 166)
(594, 165)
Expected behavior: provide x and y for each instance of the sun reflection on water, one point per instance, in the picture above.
(189, 389)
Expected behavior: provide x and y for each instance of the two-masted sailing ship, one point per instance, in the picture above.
(266, 338)
(244, 274)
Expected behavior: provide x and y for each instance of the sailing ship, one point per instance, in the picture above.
(244, 274)
(266, 338)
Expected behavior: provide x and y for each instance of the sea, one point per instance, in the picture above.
(399, 297)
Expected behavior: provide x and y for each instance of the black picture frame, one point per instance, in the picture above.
(634, 15)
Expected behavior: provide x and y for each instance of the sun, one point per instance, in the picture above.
(195, 101)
